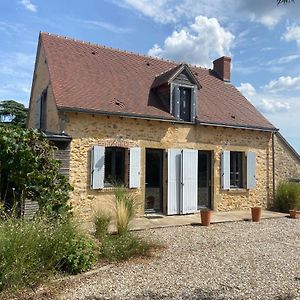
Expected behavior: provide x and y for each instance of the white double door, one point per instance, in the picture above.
(182, 181)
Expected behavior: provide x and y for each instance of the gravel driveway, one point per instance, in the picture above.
(241, 260)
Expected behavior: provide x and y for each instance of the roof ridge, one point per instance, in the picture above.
(122, 51)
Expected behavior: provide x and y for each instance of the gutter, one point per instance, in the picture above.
(273, 165)
(162, 119)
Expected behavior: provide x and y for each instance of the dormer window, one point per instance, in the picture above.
(185, 103)
(177, 90)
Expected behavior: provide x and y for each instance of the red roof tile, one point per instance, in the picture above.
(91, 77)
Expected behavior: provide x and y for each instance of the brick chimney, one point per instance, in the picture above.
(222, 67)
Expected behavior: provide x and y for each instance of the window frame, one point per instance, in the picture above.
(175, 104)
(236, 170)
(124, 166)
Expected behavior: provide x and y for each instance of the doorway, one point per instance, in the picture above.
(204, 179)
(154, 182)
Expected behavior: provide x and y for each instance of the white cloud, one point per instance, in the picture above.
(107, 26)
(247, 89)
(159, 10)
(292, 34)
(263, 102)
(287, 83)
(269, 106)
(198, 44)
(173, 11)
(28, 5)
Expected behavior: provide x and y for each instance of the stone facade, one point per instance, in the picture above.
(287, 162)
(90, 130)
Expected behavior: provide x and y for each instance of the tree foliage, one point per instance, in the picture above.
(13, 112)
(285, 1)
(28, 170)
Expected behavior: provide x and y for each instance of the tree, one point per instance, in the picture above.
(28, 170)
(13, 113)
(285, 1)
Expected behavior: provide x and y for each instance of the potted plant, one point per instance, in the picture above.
(256, 214)
(205, 216)
(294, 214)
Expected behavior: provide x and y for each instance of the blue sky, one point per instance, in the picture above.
(262, 38)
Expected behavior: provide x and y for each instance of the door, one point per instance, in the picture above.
(204, 179)
(189, 181)
(153, 188)
(182, 181)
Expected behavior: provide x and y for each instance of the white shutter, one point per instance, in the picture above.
(37, 116)
(193, 103)
(251, 170)
(189, 181)
(135, 167)
(97, 167)
(225, 170)
(174, 174)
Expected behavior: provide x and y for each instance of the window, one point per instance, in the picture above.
(236, 169)
(185, 103)
(114, 165)
(43, 113)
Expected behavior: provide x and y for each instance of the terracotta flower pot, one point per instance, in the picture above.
(205, 217)
(256, 214)
(294, 214)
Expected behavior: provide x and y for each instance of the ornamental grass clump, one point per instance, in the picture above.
(287, 196)
(126, 207)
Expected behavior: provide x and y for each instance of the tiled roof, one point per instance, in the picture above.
(89, 77)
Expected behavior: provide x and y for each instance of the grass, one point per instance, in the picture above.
(126, 207)
(287, 196)
(122, 247)
(31, 251)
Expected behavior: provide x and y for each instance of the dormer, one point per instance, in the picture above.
(177, 89)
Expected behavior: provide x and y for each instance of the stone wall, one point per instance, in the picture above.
(89, 130)
(287, 162)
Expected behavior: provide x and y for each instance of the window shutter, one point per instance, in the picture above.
(176, 102)
(225, 170)
(37, 123)
(189, 181)
(174, 180)
(135, 167)
(251, 170)
(97, 167)
(193, 104)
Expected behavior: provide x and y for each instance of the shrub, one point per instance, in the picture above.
(126, 207)
(287, 196)
(28, 170)
(32, 250)
(101, 225)
(117, 248)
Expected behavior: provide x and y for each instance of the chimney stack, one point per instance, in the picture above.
(222, 67)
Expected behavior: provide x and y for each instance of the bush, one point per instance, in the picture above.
(126, 208)
(32, 250)
(28, 170)
(101, 225)
(287, 196)
(117, 248)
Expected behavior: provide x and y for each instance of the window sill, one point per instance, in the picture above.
(237, 190)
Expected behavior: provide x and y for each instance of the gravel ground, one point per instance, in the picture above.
(241, 260)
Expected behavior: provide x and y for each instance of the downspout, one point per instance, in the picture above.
(273, 164)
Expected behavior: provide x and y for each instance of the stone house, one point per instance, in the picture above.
(179, 136)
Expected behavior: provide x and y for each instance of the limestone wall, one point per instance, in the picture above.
(287, 164)
(42, 81)
(88, 130)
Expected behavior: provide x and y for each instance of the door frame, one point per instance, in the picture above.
(210, 171)
(161, 187)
